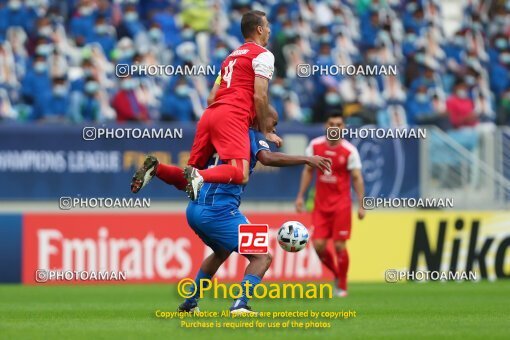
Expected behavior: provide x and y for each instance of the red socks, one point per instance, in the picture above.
(224, 173)
(340, 271)
(327, 259)
(342, 258)
(172, 175)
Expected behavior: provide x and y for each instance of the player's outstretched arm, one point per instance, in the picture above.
(359, 189)
(279, 159)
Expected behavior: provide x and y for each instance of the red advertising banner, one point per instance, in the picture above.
(146, 248)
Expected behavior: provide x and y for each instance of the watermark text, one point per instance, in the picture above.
(393, 275)
(68, 203)
(370, 203)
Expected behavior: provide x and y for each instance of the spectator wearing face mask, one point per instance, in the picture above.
(36, 81)
(219, 54)
(154, 41)
(42, 33)
(473, 79)
(460, 107)
(427, 79)
(124, 51)
(17, 14)
(88, 70)
(409, 44)
(83, 20)
(54, 106)
(85, 105)
(332, 101)
(187, 34)
(281, 39)
(417, 21)
(127, 105)
(420, 109)
(131, 25)
(176, 104)
(499, 44)
(500, 73)
(166, 20)
(155, 34)
(43, 47)
(103, 34)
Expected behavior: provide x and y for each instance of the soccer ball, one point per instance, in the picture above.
(292, 236)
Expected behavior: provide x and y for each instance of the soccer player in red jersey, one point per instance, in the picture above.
(331, 216)
(240, 98)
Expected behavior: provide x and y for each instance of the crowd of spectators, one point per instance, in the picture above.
(58, 58)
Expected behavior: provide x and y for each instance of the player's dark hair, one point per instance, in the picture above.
(334, 114)
(459, 82)
(250, 21)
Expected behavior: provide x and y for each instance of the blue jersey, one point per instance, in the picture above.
(219, 194)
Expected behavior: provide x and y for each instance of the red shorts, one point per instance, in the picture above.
(222, 129)
(335, 225)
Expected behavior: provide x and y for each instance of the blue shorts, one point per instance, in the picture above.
(217, 226)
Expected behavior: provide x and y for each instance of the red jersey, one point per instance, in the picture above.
(238, 72)
(333, 190)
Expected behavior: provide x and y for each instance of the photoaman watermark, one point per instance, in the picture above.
(187, 288)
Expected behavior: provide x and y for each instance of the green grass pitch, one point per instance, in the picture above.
(406, 310)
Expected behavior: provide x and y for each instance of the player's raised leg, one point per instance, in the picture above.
(172, 175)
(229, 137)
(151, 167)
(235, 172)
(259, 264)
(144, 174)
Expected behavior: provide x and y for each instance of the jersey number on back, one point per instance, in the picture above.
(228, 72)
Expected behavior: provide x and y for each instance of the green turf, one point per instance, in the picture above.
(458, 310)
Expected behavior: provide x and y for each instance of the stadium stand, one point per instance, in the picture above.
(58, 59)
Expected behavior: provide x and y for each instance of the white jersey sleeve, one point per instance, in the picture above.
(263, 65)
(309, 150)
(354, 160)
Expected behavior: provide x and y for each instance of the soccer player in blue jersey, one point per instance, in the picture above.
(215, 215)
